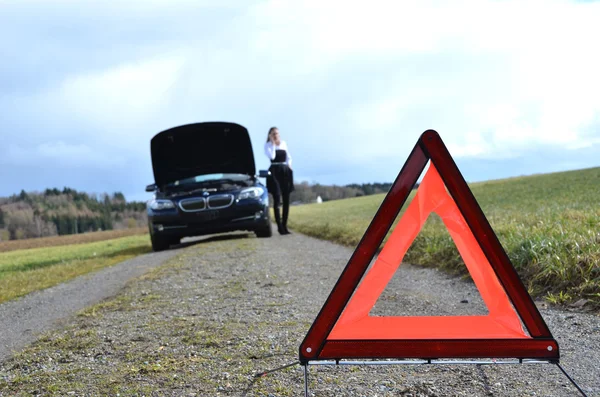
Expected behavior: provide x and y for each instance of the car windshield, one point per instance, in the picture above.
(207, 178)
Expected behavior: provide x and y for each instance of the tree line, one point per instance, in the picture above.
(308, 193)
(67, 211)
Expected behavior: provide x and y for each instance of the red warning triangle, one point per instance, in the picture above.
(344, 329)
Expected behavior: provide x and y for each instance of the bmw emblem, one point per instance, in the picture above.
(205, 194)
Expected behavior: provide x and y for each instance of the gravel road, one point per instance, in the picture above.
(23, 320)
(231, 306)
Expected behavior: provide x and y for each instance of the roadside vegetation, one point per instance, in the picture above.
(61, 212)
(27, 270)
(83, 238)
(549, 225)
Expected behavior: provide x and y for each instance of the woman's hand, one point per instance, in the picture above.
(274, 137)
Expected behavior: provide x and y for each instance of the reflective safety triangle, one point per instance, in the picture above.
(502, 321)
(344, 328)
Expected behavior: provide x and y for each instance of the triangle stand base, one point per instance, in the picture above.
(432, 361)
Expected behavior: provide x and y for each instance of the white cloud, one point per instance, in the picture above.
(122, 96)
(348, 82)
(547, 92)
(50, 154)
(339, 28)
(543, 91)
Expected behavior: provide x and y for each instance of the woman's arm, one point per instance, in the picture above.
(288, 159)
(270, 150)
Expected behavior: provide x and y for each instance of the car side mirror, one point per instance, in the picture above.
(264, 173)
(151, 188)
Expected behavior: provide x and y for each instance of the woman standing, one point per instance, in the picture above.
(281, 181)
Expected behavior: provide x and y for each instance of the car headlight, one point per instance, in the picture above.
(158, 205)
(251, 193)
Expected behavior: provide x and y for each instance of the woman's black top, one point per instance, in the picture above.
(281, 180)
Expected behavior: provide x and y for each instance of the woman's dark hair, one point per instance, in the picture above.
(270, 130)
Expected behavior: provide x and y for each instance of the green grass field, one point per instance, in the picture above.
(549, 225)
(27, 270)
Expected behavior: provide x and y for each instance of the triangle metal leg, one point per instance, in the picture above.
(572, 380)
(305, 380)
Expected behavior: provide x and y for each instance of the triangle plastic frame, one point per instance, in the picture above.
(539, 345)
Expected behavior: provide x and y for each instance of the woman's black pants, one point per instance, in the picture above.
(281, 219)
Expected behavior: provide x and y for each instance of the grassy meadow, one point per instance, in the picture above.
(53, 241)
(548, 224)
(26, 270)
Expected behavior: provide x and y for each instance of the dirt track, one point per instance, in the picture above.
(23, 320)
(228, 308)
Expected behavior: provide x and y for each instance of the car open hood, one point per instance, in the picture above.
(199, 149)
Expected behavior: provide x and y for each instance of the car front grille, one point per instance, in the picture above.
(220, 201)
(193, 204)
(202, 203)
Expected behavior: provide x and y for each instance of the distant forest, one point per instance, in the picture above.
(307, 193)
(67, 211)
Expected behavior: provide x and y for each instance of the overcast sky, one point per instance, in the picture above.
(511, 86)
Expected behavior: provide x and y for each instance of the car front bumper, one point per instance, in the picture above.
(249, 217)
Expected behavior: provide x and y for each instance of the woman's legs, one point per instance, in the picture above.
(280, 190)
(276, 202)
(286, 211)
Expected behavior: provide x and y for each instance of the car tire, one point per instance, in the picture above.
(159, 244)
(175, 241)
(264, 231)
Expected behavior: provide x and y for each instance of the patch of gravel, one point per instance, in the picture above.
(232, 306)
(24, 319)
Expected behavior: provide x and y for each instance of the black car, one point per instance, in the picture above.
(205, 183)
